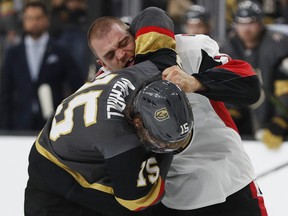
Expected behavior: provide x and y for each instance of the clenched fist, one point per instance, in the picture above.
(185, 81)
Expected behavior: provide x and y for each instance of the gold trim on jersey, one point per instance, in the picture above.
(148, 44)
(144, 201)
(281, 87)
(130, 204)
(280, 122)
(78, 177)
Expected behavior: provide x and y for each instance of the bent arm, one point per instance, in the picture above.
(154, 34)
(226, 80)
(138, 177)
(234, 82)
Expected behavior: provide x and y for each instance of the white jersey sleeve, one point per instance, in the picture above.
(193, 48)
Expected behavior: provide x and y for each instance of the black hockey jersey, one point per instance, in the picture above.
(265, 60)
(90, 139)
(87, 152)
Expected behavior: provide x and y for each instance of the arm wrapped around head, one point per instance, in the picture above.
(153, 30)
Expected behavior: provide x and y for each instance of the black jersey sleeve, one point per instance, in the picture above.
(89, 139)
(234, 82)
(138, 177)
(280, 99)
(153, 30)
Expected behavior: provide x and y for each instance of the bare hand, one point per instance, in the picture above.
(185, 81)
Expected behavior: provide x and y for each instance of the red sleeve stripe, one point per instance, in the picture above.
(260, 199)
(158, 198)
(148, 29)
(223, 113)
(155, 194)
(239, 67)
(217, 57)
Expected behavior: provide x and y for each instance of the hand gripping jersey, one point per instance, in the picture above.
(215, 164)
(227, 80)
(88, 153)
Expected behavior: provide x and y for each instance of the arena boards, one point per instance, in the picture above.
(271, 167)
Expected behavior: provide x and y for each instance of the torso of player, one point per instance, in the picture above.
(89, 126)
(215, 164)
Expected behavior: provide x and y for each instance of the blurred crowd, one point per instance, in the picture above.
(255, 31)
(68, 25)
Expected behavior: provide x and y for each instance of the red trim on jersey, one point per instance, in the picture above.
(217, 57)
(99, 72)
(159, 197)
(223, 113)
(239, 67)
(259, 198)
(148, 29)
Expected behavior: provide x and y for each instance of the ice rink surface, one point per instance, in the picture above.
(14, 152)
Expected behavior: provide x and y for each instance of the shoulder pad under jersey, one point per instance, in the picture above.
(190, 47)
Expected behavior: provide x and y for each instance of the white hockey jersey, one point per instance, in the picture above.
(215, 164)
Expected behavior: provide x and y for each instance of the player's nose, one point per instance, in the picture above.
(120, 53)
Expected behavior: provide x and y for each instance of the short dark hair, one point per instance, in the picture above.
(39, 4)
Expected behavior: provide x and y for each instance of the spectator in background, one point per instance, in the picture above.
(197, 20)
(156, 3)
(9, 27)
(69, 25)
(31, 69)
(175, 9)
(284, 11)
(231, 6)
(58, 14)
(272, 11)
(267, 52)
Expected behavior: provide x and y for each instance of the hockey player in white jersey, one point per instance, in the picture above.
(212, 175)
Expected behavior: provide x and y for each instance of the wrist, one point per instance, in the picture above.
(197, 86)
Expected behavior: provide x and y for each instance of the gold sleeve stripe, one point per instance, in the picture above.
(281, 87)
(76, 175)
(282, 123)
(152, 41)
(154, 195)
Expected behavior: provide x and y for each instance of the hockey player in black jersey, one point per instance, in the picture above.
(266, 51)
(88, 159)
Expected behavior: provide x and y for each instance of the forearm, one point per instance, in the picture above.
(186, 82)
(234, 82)
(138, 184)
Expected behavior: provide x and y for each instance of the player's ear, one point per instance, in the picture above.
(100, 62)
